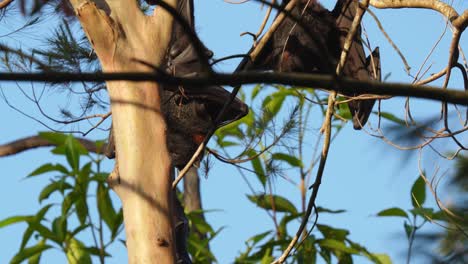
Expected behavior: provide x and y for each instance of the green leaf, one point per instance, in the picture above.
(104, 204)
(118, 220)
(391, 117)
(282, 228)
(225, 143)
(408, 229)
(48, 168)
(37, 257)
(272, 104)
(59, 227)
(76, 252)
(201, 225)
(333, 233)
(439, 215)
(13, 220)
(337, 245)
(426, 213)
(291, 160)
(382, 258)
(52, 187)
(79, 229)
(53, 137)
(256, 90)
(72, 153)
(26, 236)
(68, 201)
(29, 252)
(40, 215)
(326, 210)
(81, 209)
(97, 251)
(44, 231)
(257, 238)
(418, 192)
(279, 203)
(343, 111)
(394, 211)
(100, 177)
(257, 166)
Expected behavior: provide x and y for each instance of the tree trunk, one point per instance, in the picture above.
(122, 37)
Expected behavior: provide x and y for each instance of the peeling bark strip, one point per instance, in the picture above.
(123, 37)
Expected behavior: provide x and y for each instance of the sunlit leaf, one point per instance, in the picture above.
(29, 252)
(273, 202)
(13, 220)
(76, 252)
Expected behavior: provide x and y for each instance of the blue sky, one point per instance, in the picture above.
(364, 175)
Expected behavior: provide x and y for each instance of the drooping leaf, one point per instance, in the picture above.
(391, 117)
(418, 192)
(105, 207)
(270, 202)
(257, 238)
(383, 258)
(337, 245)
(257, 166)
(330, 211)
(394, 211)
(59, 227)
(49, 167)
(408, 229)
(97, 252)
(37, 257)
(54, 137)
(72, 153)
(333, 233)
(52, 187)
(26, 236)
(256, 90)
(13, 220)
(291, 160)
(29, 252)
(81, 206)
(76, 252)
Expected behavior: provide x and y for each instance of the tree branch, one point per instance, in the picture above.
(33, 142)
(326, 82)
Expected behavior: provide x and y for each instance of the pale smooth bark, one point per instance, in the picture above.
(123, 37)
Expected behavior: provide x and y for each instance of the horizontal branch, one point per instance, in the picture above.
(326, 82)
(33, 142)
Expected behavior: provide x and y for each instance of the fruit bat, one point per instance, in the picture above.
(189, 111)
(314, 46)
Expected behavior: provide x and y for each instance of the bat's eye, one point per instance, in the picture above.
(201, 111)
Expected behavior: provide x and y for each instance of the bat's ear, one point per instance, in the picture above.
(373, 65)
(236, 110)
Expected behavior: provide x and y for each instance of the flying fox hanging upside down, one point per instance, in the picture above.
(314, 46)
(189, 111)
